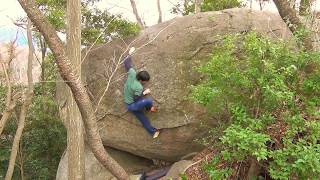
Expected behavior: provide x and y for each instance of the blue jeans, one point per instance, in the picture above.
(137, 109)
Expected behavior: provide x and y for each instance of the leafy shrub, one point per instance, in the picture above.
(264, 85)
(44, 136)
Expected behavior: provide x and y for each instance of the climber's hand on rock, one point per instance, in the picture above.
(147, 91)
(132, 49)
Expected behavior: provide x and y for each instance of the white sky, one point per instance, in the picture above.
(147, 9)
(9, 9)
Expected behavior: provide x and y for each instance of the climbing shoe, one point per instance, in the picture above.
(156, 134)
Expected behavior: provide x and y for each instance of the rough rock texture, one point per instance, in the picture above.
(95, 171)
(177, 169)
(169, 51)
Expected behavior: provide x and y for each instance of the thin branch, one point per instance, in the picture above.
(108, 83)
(9, 103)
(94, 43)
(120, 61)
(176, 6)
(154, 37)
(7, 111)
(21, 25)
(24, 108)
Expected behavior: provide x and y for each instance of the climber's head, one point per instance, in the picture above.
(143, 77)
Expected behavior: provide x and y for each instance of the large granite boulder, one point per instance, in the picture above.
(169, 51)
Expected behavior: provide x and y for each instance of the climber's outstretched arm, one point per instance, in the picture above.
(128, 62)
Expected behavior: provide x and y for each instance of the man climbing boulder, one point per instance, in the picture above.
(134, 95)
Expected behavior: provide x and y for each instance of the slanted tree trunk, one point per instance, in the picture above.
(79, 92)
(76, 166)
(197, 6)
(289, 15)
(159, 11)
(23, 112)
(135, 12)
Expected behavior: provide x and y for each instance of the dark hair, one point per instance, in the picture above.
(143, 76)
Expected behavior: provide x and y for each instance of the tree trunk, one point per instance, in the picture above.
(304, 8)
(10, 101)
(43, 47)
(197, 6)
(76, 166)
(289, 15)
(78, 90)
(261, 4)
(135, 12)
(21, 162)
(7, 111)
(159, 11)
(24, 108)
(254, 169)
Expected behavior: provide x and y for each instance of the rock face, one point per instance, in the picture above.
(169, 52)
(177, 169)
(95, 171)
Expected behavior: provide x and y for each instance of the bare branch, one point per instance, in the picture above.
(95, 42)
(155, 36)
(120, 61)
(9, 103)
(176, 6)
(24, 108)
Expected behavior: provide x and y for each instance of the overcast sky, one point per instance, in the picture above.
(147, 9)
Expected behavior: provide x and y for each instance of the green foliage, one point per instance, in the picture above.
(3, 92)
(207, 5)
(54, 10)
(263, 83)
(97, 26)
(44, 137)
(242, 142)
(5, 148)
(299, 159)
(217, 173)
(100, 26)
(183, 177)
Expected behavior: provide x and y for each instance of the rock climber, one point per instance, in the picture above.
(134, 95)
